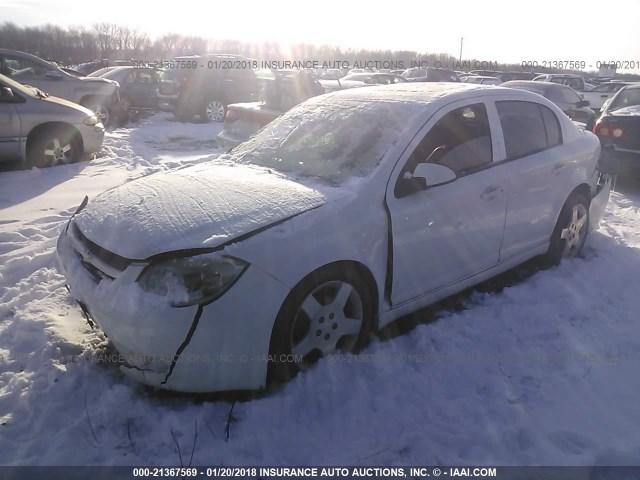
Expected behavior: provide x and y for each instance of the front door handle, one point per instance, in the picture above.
(490, 193)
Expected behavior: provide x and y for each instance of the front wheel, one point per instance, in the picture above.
(571, 230)
(329, 310)
(56, 146)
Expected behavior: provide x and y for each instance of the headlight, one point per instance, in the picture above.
(192, 280)
(91, 121)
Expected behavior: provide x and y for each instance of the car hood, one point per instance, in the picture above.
(70, 105)
(203, 206)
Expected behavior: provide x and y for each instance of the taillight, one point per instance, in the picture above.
(607, 130)
(616, 132)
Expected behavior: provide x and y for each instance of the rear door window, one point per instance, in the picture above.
(527, 127)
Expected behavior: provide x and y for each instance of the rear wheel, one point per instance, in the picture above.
(571, 230)
(57, 146)
(213, 111)
(329, 310)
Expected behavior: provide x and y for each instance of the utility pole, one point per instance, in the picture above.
(461, 39)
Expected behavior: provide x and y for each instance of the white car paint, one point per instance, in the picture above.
(416, 249)
(598, 95)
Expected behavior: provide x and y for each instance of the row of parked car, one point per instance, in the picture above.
(42, 130)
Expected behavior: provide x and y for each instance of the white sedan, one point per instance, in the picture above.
(340, 216)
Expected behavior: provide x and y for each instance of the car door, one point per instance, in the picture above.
(444, 233)
(142, 85)
(9, 128)
(536, 169)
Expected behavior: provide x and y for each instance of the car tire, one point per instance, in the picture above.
(331, 309)
(570, 232)
(55, 146)
(213, 110)
(97, 106)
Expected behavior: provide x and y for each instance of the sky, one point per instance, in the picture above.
(497, 31)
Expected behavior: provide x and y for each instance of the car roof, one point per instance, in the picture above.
(418, 93)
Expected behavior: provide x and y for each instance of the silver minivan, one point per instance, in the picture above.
(41, 130)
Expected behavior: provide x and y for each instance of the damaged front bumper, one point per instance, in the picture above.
(218, 347)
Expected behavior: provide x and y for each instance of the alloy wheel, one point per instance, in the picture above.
(215, 111)
(56, 152)
(574, 233)
(329, 318)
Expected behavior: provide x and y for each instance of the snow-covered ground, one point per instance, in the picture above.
(543, 372)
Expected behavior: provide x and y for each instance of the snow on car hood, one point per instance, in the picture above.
(197, 207)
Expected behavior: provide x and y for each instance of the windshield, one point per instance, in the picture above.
(328, 140)
(17, 87)
(626, 98)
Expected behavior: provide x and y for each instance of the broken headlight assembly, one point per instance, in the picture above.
(192, 280)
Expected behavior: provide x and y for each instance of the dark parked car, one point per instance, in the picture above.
(138, 86)
(569, 101)
(430, 75)
(619, 131)
(203, 85)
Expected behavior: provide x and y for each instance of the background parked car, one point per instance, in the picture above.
(509, 76)
(571, 80)
(354, 80)
(430, 75)
(41, 130)
(199, 85)
(569, 101)
(479, 79)
(619, 131)
(97, 94)
(601, 93)
(281, 91)
(138, 86)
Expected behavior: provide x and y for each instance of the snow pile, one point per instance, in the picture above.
(544, 372)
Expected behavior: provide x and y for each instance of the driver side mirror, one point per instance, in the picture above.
(434, 174)
(582, 103)
(8, 96)
(53, 74)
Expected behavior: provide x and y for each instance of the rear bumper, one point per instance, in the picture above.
(620, 162)
(599, 201)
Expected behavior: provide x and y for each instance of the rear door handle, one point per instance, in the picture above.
(490, 193)
(557, 168)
